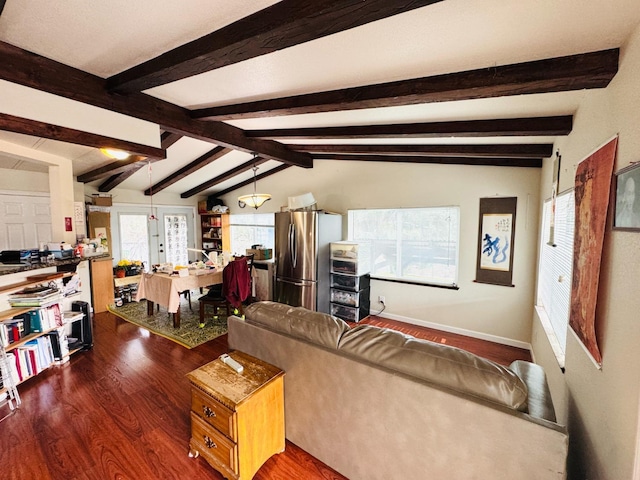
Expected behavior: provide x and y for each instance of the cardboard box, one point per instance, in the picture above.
(262, 254)
(101, 200)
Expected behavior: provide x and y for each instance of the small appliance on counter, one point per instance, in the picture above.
(60, 250)
(10, 257)
(19, 257)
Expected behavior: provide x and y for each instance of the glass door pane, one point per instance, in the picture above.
(176, 239)
(134, 237)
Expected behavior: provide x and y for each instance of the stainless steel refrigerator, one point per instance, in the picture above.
(303, 241)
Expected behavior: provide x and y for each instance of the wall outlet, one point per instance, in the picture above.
(381, 299)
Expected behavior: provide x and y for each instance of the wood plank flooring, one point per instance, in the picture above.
(502, 354)
(121, 411)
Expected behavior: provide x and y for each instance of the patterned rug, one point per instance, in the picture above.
(189, 335)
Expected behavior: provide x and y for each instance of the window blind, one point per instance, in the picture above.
(556, 265)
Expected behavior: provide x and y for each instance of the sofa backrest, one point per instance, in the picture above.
(441, 365)
(315, 327)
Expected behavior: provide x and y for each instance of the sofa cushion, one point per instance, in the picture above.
(319, 328)
(438, 364)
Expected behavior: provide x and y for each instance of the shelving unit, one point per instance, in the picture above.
(9, 396)
(215, 232)
(350, 281)
(55, 331)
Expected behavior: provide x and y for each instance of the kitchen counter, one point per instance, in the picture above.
(8, 269)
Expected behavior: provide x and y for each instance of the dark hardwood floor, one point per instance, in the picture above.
(121, 411)
(502, 354)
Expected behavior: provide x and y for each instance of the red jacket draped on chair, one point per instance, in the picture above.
(236, 282)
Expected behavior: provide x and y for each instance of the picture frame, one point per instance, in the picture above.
(496, 236)
(626, 206)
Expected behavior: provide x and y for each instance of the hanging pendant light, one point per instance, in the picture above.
(151, 214)
(254, 200)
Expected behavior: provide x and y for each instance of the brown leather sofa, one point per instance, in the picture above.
(374, 403)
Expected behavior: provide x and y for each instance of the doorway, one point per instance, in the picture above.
(161, 239)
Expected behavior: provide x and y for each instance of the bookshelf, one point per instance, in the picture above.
(215, 232)
(34, 336)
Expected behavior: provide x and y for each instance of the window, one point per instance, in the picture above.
(134, 243)
(555, 271)
(416, 245)
(252, 229)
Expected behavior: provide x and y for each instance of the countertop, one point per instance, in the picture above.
(8, 269)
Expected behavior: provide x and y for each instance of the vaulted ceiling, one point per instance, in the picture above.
(286, 84)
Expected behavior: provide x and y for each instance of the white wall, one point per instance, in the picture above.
(21, 180)
(601, 406)
(497, 312)
(124, 195)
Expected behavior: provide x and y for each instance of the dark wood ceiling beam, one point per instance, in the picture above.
(535, 126)
(114, 180)
(575, 72)
(116, 167)
(224, 177)
(202, 161)
(32, 70)
(533, 150)
(168, 138)
(273, 171)
(484, 161)
(282, 25)
(11, 123)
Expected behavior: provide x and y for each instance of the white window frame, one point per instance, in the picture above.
(254, 221)
(446, 241)
(555, 271)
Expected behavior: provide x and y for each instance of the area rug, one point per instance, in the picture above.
(189, 335)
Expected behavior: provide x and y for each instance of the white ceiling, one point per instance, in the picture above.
(105, 38)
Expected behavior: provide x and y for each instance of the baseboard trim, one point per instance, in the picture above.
(460, 331)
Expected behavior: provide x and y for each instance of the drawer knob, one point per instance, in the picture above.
(209, 443)
(208, 412)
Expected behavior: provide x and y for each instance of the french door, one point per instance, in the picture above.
(161, 236)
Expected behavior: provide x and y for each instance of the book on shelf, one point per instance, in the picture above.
(13, 329)
(35, 356)
(9, 368)
(21, 299)
(59, 345)
(45, 318)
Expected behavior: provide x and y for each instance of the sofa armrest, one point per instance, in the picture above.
(539, 403)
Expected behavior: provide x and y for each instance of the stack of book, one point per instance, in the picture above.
(30, 358)
(38, 320)
(34, 297)
(13, 329)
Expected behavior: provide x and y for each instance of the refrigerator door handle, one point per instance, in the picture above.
(297, 284)
(292, 245)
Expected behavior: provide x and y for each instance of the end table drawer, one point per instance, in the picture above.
(212, 444)
(213, 413)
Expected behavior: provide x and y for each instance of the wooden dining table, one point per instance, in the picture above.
(164, 289)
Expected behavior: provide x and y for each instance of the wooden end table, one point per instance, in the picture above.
(237, 419)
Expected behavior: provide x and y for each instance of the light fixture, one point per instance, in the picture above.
(203, 252)
(254, 200)
(116, 154)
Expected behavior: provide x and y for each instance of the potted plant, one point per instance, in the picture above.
(119, 271)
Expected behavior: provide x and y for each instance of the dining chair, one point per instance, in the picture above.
(235, 289)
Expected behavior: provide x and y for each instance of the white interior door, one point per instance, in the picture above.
(25, 221)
